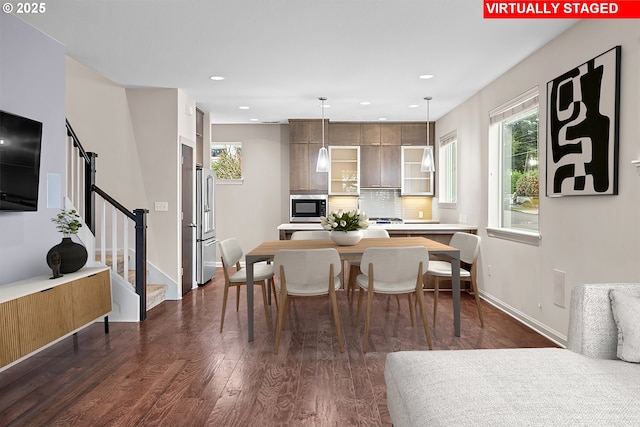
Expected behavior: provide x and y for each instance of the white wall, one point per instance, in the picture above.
(32, 85)
(592, 239)
(251, 211)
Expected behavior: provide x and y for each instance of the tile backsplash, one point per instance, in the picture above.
(384, 203)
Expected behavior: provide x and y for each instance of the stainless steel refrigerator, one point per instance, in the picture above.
(205, 226)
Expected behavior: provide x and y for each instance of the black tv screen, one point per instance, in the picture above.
(20, 140)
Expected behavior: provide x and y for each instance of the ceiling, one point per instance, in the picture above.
(279, 56)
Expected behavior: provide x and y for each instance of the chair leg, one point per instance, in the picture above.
(423, 314)
(224, 304)
(336, 319)
(398, 300)
(351, 286)
(367, 320)
(410, 309)
(284, 304)
(237, 298)
(265, 303)
(474, 287)
(435, 298)
(274, 292)
(360, 294)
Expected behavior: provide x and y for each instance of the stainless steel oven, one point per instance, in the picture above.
(307, 207)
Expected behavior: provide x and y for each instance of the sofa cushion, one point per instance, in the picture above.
(592, 330)
(626, 312)
(509, 387)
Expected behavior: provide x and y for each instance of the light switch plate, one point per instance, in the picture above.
(559, 288)
(162, 206)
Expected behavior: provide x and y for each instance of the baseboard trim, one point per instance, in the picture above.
(526, 320)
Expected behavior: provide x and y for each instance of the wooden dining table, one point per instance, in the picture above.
(266, 251)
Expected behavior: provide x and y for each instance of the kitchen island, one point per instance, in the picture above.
(439, 232)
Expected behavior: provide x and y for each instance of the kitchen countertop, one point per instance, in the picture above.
(406, 229)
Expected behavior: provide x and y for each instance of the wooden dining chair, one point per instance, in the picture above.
(306, 273)
(354, 265)
(231, 254)
(469, 246)
(310, 235)
(393, 271)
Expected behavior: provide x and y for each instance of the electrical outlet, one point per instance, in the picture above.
(420, 214)
(489, 270)
(559, 285)
(162, 206)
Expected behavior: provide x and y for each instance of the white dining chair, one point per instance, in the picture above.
(310, 235)
(306, 273)
(231, 253)
(393, 271)
(354, 265)
(469, 246)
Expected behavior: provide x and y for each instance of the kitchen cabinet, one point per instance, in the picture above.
(345, 134)
(390, 133)
(344, 170)
(305, 140)
(414, 181)
(414, 134)
(380, 166)
(370, 134)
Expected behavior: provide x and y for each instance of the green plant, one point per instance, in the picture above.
(228, 163)
(345, 220)
(527, 184)
(67, 222)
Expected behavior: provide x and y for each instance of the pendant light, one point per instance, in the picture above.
(427, 164)
(323, 155)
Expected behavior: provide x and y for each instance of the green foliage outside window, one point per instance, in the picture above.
(226, 161)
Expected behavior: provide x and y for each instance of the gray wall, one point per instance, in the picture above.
(32, 84)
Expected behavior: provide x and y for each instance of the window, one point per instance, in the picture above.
(447, 170)
(226, 160)
(514, 166)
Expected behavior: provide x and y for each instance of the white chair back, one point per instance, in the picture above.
(310, 235)
(469, 245)
(230, 252)
(395, 264)
(307, 271)
(374, 233)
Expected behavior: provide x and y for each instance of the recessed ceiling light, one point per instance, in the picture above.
(243, 107)
(365, 103)
(413, 106)
(382, 118)
(254, 120)
(216, 78)
(426, 76)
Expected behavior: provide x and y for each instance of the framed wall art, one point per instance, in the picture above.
(582, 128)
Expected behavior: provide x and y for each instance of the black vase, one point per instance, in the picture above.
(73, 256)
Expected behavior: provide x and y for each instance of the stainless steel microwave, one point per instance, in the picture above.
(308, 207)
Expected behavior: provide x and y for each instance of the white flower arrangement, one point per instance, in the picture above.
(345, 220)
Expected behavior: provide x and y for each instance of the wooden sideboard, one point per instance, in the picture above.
(37, 312)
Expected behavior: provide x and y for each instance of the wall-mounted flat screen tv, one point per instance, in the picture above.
(20, 140)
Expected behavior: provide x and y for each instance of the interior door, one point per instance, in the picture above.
(188, 223)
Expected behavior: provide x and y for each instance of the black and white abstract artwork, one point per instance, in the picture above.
(582, 124)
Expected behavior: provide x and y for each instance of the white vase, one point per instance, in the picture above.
(346, 238)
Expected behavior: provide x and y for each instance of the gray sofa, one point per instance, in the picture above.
(584, 384)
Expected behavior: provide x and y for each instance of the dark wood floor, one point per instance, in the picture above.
(176, 369)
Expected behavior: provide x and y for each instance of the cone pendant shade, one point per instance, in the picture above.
(323, 160)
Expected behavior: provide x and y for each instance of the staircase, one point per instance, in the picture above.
(110, 224)
(156, 293)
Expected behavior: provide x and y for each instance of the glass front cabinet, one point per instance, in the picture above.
(415, 182)
(344, 170)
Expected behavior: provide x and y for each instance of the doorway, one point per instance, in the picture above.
(188, 224)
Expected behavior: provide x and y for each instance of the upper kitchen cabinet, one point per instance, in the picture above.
(345, 134)
(414, 181)
(305, 139)
(415, 133)
(344, 170)
(370, 133)
(380, 166)
(390, 133)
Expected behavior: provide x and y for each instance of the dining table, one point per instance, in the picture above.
(267, 250)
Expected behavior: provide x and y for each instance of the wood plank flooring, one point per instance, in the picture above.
(177, 369)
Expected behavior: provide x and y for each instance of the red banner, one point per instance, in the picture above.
(622, 9)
